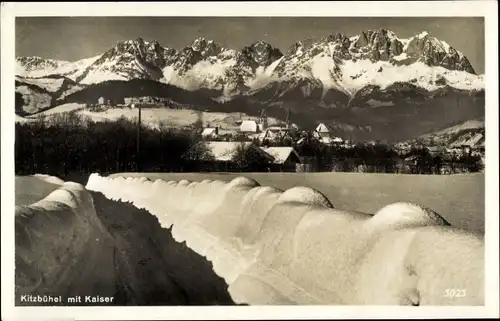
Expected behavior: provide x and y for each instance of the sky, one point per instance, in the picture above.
(74, 38)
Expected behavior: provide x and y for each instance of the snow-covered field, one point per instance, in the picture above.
(291, 247)
(170, 117)
(227, 122)
(65, 108)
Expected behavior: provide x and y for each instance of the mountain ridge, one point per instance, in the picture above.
(374, 79)
(375, 46)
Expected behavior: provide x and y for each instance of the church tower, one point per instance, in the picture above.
(288, 121)
(263, 124)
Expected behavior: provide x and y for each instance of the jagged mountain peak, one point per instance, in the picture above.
(301, 45)
(261, 53)
(345, 63)
(423, 34)
(201, 41)
(335, 37)
(205, 47)
(434, 52)
(30, 58)
(33, 63)
(137, 46)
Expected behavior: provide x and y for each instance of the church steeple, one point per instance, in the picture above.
(263, 124)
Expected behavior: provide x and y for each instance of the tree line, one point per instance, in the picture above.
(71, 143)
(68, 143)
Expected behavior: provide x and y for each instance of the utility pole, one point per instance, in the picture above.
(288, 121)
(138, 155)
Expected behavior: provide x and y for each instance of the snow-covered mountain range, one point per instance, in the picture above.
(373, 70)
(346, 63)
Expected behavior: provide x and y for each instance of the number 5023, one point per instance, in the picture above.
(455, 293)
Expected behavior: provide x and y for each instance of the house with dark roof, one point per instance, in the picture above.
(285, 158)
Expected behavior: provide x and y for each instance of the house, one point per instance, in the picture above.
(314, 138)
(221, 156)
(274, 134)
(254, 126)
(250, 127)
(131, 101)
(328, 139)
(324, 134)
(210, 132)
(323, 130)
(285, 158)
(100, 101)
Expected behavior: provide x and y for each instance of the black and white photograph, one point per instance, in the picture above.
(200, 159)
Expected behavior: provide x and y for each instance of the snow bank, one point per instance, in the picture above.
(58, 235)
(293, 247)
(49, 179)
(31, 189)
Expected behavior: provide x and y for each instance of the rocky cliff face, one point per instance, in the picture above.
(37, 63)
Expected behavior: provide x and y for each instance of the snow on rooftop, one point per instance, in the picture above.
(322, 128)
(326, 140)
(280, 154)
(249, 126)
(208, 132)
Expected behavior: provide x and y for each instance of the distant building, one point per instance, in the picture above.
(100, 101)
(129, 101)
(285, 158)
(274, 134)
(323, 130)
(250, 126)
(324, 134)
(210, 132)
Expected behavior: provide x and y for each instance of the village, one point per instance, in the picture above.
(284, 147)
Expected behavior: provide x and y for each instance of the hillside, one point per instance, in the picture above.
(470, 133)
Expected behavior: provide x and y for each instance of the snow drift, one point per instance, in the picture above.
(293, 247)
(58, 235)
(71, 242)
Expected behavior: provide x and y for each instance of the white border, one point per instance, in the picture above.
(487, 9)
